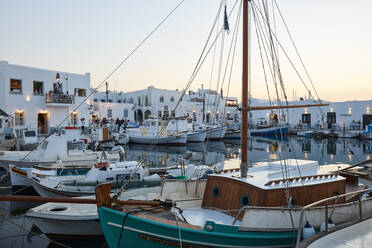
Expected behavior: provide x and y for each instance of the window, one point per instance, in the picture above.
(125, 113)
(139, 101)
(172, 99)
(38, 88)
(74, 118)
(161, 99)
(159, 114)
(109, 113)
(131, 100)
(80, 92)
(95, 100)
(125, 100)
(194, 116)
(15, 86)
(30, 134)
(173, 113)
(103, 100)
(119, 101)
(110, 100)
(19, 118)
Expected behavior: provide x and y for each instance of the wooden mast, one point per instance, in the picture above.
(244, 128)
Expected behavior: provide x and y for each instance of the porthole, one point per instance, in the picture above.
(216, 191)
(244, 200)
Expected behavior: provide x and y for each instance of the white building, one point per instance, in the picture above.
(159, 103)
(338, 115)
(113, 110)
(42, 99)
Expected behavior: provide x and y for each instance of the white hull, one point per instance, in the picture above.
(63, 229)
(232, 135)
(179, 139)
(69, 220)
(80, 158)
(18, 178)
(216, 133)
(264, 218)
(46, 191)
(196, 137)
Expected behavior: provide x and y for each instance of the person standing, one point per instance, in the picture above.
(82, 124)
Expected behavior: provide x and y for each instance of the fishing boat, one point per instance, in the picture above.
(232, 134)
(215, 214)
(53, 150)
(158, 132)
(269, 130)
(196, 136)
(20, 176)
(242, 217)
(121, 173)
(215, 132)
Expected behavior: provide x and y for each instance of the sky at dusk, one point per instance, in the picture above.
(334, 38)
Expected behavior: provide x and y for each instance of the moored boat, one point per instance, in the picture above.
(125, 174)
(53, 150)
(158, 132)
(196, 136)
(277, 130)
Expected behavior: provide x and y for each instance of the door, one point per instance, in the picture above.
(42, 123)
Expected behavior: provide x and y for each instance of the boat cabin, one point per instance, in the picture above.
(117, 172)
(266, 186)
(27, 137)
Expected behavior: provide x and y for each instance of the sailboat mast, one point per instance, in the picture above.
(245, 79)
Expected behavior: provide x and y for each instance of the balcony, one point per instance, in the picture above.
(59, 100)
(229, 104)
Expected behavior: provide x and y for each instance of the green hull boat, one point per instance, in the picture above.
(128, 230)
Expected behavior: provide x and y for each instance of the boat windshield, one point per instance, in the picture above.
(30, 134)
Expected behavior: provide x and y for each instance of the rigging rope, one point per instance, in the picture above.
(115, 69)
(235, 39)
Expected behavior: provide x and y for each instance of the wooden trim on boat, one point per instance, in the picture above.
(19, 171)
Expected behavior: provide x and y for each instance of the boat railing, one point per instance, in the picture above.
(326, 201)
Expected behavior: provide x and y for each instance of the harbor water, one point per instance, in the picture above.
(17, 231)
